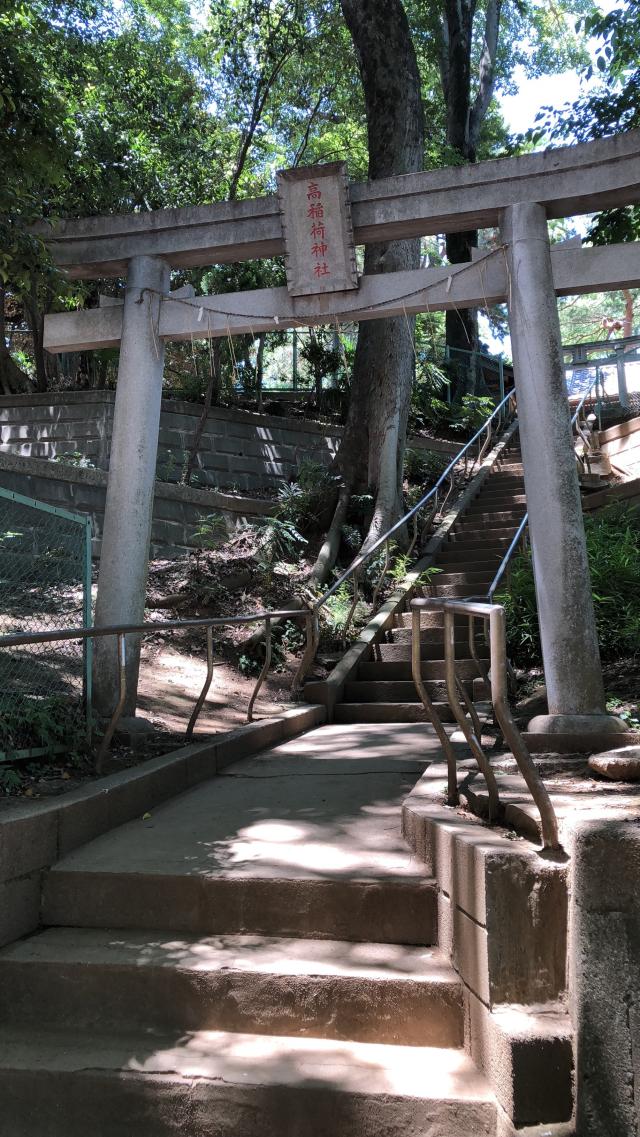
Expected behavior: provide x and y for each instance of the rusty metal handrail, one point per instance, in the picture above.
(492, 424)
(494, 614)
(121, 631)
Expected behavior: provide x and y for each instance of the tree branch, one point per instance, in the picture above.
(486, 72)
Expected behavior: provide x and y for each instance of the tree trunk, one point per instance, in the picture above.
(461, 325)
(35, 319)
(372, 450)
(627, 323)
(12, 378)
(464, 118)
(260, 368)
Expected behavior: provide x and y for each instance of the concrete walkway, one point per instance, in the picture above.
(258, 956)
(312, 821)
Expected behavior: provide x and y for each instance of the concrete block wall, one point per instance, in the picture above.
(238, 450)
(176, 509)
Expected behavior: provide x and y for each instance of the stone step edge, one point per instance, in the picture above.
(127, 980)
(428, 1074)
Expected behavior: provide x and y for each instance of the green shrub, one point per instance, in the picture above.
(613, 545)
(424, 467)
(307, 503)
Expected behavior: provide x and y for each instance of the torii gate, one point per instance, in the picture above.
(516, 194)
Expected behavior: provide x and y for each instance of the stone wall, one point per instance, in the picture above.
(239, 450)
(176, 509)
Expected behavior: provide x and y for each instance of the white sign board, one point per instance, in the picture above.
(316, 226)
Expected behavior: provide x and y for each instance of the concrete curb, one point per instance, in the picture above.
(503, 924)
(34, 836)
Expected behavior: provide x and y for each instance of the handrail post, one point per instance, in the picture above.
(265, 667)
(453, 797)
(312, 629)
(205, 690)
(113, 721)
(473, 741)
(535, 785)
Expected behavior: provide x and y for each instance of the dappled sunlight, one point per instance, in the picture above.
(251, 954)
(356, 1067)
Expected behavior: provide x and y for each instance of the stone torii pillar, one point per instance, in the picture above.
(124, 558)
(563, 587)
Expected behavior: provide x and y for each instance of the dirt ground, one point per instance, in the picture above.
(171, 681)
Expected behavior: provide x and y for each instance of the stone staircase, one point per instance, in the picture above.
(259, 957)
(382, 690)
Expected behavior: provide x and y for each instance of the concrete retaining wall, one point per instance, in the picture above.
(502, 922)
(176, 509)
(239, 450)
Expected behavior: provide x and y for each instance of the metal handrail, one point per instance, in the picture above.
(120, 631)
(485, 430)
(459, 702)
(515, 543)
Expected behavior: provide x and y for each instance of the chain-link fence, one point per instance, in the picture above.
(45, 583)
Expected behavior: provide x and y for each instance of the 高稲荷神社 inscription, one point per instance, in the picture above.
(316, 223)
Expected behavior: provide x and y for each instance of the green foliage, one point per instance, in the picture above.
(336, 612)
(37, 722)
(211, 531)
(306, 502)
(277, 540)
(10, 779)
(249, 666)
(619, 707)
(75, 458)
(469, 415)
(424, 466)
(613, 545)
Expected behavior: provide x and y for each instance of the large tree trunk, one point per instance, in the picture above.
(372, 450)
(465, 114)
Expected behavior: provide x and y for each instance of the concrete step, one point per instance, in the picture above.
(473, 588)
(391, 669)
(480, 513)
(433, 622)
(220, 1084)
(469, 550)
(503, 503)
(434, 669)
(485, 565)
(389, 712)
(401, 651)
(473, 533)
(431, 647)
(393, 691)
(386, 908)
(469, 575)
(109, 980)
